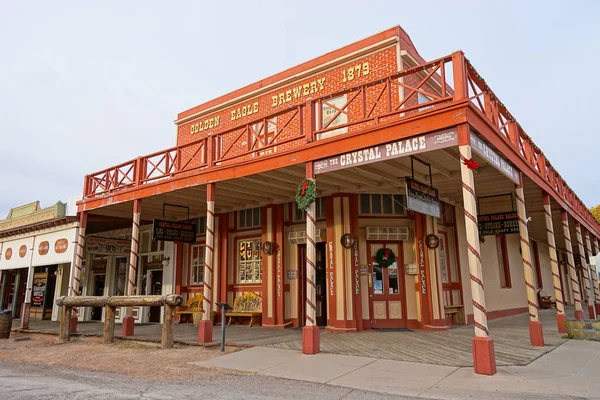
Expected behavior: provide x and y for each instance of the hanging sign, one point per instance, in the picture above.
(173, 231)
(105, 246)
(498, 223)
(422, 198)
(502, 165)
(39, 289)
(400, 148)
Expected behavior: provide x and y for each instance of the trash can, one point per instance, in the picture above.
(5, 324)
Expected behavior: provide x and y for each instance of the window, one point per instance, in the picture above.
(422, 99)
(503, 263)
(300, 215)
(200, 225)
(249, 261)
(150, 246)
(249, 218)
(197, 265)
(382, 204)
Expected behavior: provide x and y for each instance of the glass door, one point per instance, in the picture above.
(387, 297)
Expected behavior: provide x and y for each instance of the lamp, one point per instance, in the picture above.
(267, 247)
(432, 241)
(347, 240)
(165, 261)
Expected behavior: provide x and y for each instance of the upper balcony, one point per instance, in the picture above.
(444, 92)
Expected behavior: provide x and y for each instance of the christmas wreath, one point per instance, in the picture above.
(385, 257)
(305, 195)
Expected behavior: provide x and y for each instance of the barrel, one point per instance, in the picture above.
(197, 316)
(5, 324)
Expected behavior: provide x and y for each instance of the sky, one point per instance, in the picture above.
(87, 85)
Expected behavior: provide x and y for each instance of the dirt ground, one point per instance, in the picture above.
(124, 357)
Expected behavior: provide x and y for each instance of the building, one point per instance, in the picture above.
(405, 156)
(36, 252)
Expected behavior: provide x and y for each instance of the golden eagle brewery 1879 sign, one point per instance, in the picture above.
(422, 198)
(173, 231)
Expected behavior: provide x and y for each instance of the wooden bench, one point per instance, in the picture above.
(193, 307)
(248, 305)
(456, 312)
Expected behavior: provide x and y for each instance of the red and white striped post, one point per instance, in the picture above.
(484, 357)
(561, 317)
(595, 253)
(310, 332)
(75, 281)
(536, 334)
(205, 327)
(586, 272)
(593, 273)
(571, 264)
(127, 327)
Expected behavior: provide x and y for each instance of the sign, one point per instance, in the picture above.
(422, 267)
(96, 245)
(498, 223)
(292, 274)
(8, 254)
(39, 289)
(422, 198)
(502, 165)
(400, 148)
(331, 268)
(278, 272)
(22, 251)
(61, 245)
(43, 248)
(172, 231)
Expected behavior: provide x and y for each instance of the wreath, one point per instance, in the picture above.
(385, 257)
(306, 194)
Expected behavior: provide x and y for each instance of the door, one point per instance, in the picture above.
(320, 282)
(155, 278)
(99, 281)
(388, 293)
(449, 272)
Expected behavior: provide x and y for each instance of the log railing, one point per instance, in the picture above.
(418, 90)
(110, 303)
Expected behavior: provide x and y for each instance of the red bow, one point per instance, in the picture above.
(304, 187)
(386, 254)
(470, 163)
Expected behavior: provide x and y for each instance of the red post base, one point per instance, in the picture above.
(579, 316)
(311, 342)
(127, 327)
(597, 309)
(73, 324)
(591, 312)
(536, 334)
(484, 356)
(205, 328)
(560, 322)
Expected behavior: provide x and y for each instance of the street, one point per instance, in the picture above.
(26, 382)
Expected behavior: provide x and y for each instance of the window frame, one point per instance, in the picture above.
(193, 282)
(503, 262)
(320, 210)
(255, 224)
(395, 206)
(254, 260)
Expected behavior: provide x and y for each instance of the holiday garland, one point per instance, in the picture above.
(385, 257)
(306, 194)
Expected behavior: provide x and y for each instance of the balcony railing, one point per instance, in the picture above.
(366, 106)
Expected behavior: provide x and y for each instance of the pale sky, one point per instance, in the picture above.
(87, 85)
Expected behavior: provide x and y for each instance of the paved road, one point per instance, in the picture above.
(18, 382)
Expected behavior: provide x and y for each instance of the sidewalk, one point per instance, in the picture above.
(571, 370)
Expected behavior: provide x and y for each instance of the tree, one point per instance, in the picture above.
(596, 212)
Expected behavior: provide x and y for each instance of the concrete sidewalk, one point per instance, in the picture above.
(570, 371)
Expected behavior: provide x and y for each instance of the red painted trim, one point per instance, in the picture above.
(425, 298)
(83, 217)
(351, 48)
(355, 254)
(500, 314)
(279, 240)
(179, 267)
(137, 206)
(413, 324)
(331, 263)
(269, 294)
(210, 192)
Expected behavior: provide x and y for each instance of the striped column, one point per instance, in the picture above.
(536, 334)
(593, 272)
(28, 290)
(76, 266)
(127, 327)
(586, 272)
(561, 317)
(205, 326)
(310, 332)
(484, 358)
(571, 264)
(597, 305)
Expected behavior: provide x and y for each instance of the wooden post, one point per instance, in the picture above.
(109, 324)
(167, 328)
(74, 281)
(593, 273)
(205, 325)
(536, 334)
(65, 320)
(586, 272)
(484, 356)
(561, 317)
(28, 290)
(127, 327)
(571, 263)
(310, 332)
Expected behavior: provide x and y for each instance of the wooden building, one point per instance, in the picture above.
(404, 155)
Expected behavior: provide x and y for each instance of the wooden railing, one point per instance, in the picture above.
(393, 98)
